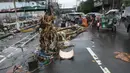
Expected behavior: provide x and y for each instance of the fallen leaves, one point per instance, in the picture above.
(122, 56)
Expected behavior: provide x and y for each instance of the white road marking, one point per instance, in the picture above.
(21, 40)
(6, 57)
(9, 55)
(2, 60)
(1, 56)
(95, 57)
(29, 40)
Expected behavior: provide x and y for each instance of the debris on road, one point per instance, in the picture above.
(122, 56)
(11, 37)
(93, 61)
(53, 41)
(6, 35)
(27, 30)
(52, 38)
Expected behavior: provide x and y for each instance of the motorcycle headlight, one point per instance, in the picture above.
(98, 24)
(103, 26)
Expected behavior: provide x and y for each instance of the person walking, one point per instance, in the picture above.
(80, 20)
(84, 22)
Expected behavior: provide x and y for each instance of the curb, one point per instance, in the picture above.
(4, 36)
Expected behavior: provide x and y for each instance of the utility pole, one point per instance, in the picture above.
(17, 24)
(103, 6)
(77, 5)
(15, 7)
(113, 4)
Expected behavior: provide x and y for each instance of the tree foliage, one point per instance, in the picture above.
(86, 6)
(126, 2)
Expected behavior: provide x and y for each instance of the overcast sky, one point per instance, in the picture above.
(67, 3)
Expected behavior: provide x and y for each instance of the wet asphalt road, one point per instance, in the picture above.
(103, 44)
(4, 43)
(11, 56)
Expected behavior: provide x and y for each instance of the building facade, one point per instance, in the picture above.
(29, 3)
(107, 4)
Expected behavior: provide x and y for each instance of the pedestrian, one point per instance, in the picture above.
(84, 22)
(87, 17)
(76, 20)
(63, 24)
(93, 20)
(90, 21)
(80, 20)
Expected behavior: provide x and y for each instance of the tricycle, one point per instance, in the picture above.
(107, 23)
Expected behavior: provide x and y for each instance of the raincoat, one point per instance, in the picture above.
(84, 22)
